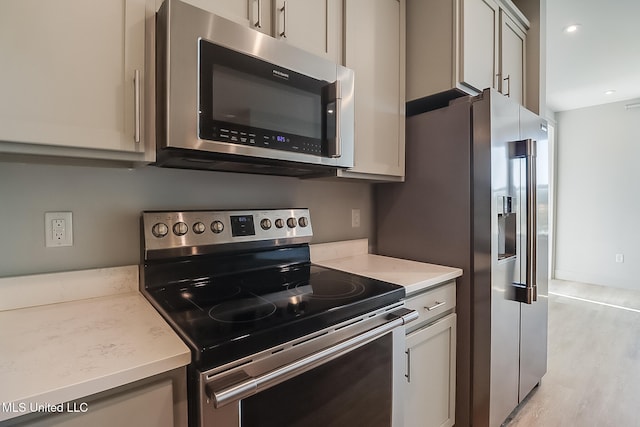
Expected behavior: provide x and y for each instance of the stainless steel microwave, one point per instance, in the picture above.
(233, 99)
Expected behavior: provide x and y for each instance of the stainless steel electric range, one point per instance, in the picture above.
(275, 340)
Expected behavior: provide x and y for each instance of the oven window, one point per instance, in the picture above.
(352, 390)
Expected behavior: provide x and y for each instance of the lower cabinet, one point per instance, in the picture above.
(159, 401)
(431, 361)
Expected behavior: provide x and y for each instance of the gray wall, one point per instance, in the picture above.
(598, 200)
(106, 205)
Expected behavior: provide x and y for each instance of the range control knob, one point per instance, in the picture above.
(199, 227)
(279, 223)
(160, 229)
(291, 222)
(303, 221)
(180, 228)
(265, 223)
(217, 227)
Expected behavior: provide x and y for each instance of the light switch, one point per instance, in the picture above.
(355, 218)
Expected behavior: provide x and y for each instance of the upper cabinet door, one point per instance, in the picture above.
(375, 50)
(315, 26)
(469, 45)
(253, 13)
(512, 58)
(479, 62)
(312, 25)
(72, 73)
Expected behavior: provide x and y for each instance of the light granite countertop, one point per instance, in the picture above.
(353, 257)
(72, 348)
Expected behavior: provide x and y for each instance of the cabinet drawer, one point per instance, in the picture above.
(432, 303)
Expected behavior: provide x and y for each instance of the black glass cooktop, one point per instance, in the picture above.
(229, 316)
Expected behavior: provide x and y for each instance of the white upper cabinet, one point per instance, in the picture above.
(375, 49)
(469, 45)
(72, 78)
(512, 58)
(312, 25)
(315, 26)
(253, 13)
(478, 50)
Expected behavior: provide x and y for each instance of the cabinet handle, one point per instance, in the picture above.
(508, 79)
(496, 83)
(136, 100)
(258, 23)
(438, 304)
(283, 9)
(408, 374)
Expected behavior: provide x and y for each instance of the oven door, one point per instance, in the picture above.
(349, 375)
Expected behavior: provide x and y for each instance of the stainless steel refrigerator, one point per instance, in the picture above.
(476, 197)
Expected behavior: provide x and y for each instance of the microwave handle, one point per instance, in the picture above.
(335, 144)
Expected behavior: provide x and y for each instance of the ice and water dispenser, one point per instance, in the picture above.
(507, 221)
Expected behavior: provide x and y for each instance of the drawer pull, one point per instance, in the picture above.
(436, 305)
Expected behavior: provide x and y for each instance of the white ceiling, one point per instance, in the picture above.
(604, 54)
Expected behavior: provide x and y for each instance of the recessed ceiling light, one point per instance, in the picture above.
(572, 28)
(610, 92)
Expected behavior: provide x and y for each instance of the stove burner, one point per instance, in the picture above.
(329, 289)
(242, 311)
(200, 294)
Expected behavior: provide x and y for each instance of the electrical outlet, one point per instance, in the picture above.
(355, 218)
(58, 228)
(619, 257)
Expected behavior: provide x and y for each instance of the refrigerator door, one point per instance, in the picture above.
(503, 128)
(533, 322)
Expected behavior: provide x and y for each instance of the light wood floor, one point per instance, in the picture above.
(593, 374)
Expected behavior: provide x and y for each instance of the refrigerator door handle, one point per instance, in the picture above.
(527, 149)
(532, 221)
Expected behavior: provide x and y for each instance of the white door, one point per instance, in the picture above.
(67, 74)
(479, 64)
(431, 379)
(512, 50)
(315, 26)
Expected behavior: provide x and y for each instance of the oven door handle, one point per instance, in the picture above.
(253, 385)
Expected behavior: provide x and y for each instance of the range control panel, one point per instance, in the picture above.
(167, 229)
